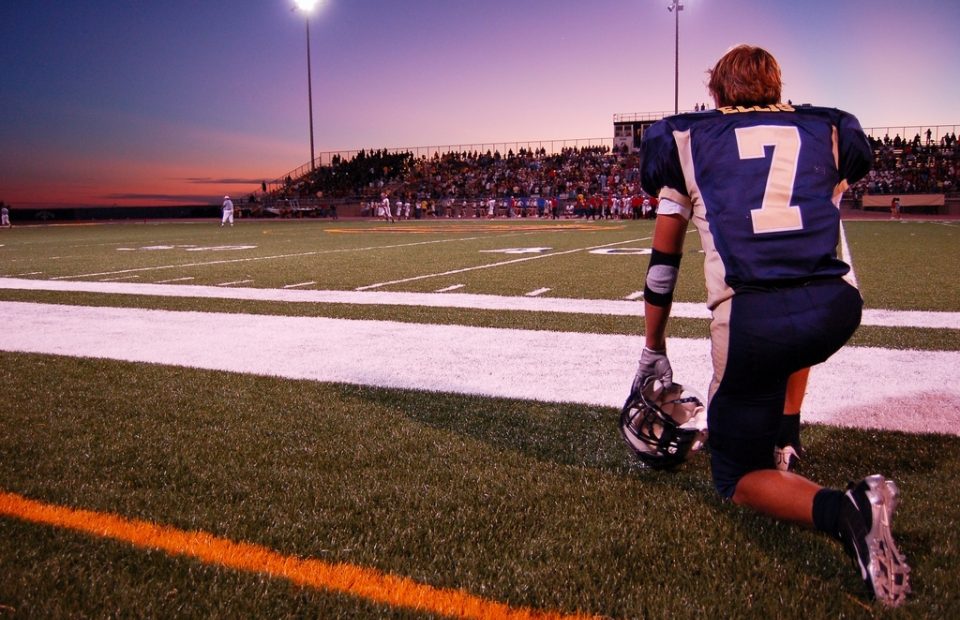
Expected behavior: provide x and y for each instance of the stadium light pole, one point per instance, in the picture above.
(675, 7)
(307, 6)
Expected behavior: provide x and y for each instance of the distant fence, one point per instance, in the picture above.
(67, 214)
(642, 116)
(909, 132)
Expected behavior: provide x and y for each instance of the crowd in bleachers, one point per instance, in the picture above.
(915, 166)
(592, 182)
(584, 182)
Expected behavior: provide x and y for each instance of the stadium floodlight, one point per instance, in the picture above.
(307, 6)
(675, 7)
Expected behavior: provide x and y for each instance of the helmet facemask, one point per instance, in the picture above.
(661, 426)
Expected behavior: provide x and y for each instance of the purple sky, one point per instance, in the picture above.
(181, 102)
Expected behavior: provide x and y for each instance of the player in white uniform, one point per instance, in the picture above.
(385, 207)
(227, 211)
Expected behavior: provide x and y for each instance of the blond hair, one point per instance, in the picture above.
(745, 76)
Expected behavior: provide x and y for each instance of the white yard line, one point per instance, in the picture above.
(260, 258)
(300, 284)
(912, 391)
(537, 292)
(847, 258)
(493, 265)
(450, 288)
(120, 278)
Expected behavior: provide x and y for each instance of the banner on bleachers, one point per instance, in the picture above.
(906, 200)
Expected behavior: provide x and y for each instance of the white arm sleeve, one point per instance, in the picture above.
(669, 207)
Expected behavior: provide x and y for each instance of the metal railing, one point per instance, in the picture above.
(909, 132)
(632, 117)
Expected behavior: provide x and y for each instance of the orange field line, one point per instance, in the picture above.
(354, 580)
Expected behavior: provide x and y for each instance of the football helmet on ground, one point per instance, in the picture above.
(662, 425)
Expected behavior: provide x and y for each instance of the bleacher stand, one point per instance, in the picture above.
(590, 182)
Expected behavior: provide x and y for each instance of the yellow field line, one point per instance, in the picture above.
(366, 583)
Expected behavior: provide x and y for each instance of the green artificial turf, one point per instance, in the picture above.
(527, 503)
(532, 504)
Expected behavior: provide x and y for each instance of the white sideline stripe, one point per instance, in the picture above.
(449, 288)
(537, 293)
(875, 317)
(911, 391)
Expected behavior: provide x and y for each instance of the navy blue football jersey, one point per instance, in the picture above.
(763, 186)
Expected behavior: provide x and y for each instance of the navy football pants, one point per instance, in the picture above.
(769, 334)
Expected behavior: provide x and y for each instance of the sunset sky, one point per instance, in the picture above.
(162, 103)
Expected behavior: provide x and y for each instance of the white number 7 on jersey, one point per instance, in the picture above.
(775, 214)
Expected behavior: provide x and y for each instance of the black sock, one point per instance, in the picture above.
(789, 434)
(826, 511)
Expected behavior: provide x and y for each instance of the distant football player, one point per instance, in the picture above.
(762, 183)
(385, 208)
(227, 210)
